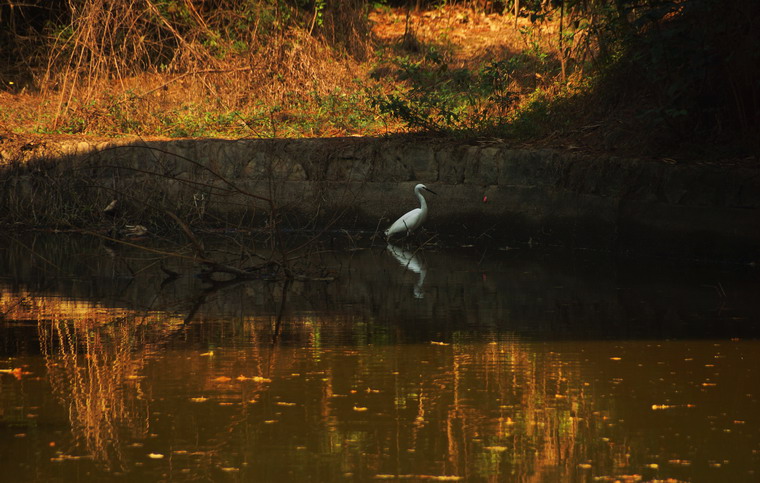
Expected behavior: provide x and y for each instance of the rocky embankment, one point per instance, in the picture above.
(512, 196)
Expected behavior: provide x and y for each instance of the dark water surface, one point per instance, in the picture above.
(467, 364)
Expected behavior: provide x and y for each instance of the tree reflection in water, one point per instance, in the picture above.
(464, 408)
(94, 358)
(357, 379)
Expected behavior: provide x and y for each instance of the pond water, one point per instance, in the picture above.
(468, 363)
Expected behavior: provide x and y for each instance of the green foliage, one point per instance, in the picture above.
(439, 98)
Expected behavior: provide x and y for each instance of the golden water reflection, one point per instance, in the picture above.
(145, 396)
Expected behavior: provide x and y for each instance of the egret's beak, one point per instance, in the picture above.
(428, 189)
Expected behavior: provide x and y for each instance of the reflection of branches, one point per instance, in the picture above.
(481, 409)
(476, 410)
(280, 312)
(214, 286)
(539, 430)
(93, 362)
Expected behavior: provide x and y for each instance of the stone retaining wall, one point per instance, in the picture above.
(512, 196)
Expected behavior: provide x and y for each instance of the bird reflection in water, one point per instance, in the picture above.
(412, 262)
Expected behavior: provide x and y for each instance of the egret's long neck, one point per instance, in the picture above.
(423, 203)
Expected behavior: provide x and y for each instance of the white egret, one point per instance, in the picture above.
(414, 219)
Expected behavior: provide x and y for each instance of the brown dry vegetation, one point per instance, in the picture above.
(611, 75)
(132, 71)
(106, 77)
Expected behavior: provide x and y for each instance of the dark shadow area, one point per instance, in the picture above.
(488, 193)
(435, 294)
(681, 85)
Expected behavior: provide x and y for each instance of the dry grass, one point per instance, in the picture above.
(260, 68)
(140, 70)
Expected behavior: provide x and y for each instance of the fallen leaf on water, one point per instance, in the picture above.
(155, 456)
(73, 457)
(359, 408)
(208, 354)
(229, 469)
(438, 343)
(242, 378)
(616, 358)
(223, 379)
(287, 404)
(418, 477)
(199, 399)
(497, 449)
(656, 407)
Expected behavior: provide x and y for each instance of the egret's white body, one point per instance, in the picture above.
(413, 219)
